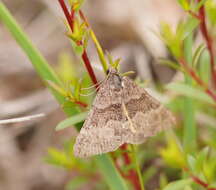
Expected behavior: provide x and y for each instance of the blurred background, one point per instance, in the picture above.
(127, 29)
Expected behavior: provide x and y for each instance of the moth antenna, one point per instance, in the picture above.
(98, 84)
(128, 117)
(93, 86)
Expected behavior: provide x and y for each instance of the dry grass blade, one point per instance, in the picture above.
(21, 119)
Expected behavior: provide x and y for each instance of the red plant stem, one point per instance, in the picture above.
(70, 20)
(199, 81)
(198, 180)
(132, 176)
(204, 31)
(67, 14)
(89, 68)
(82, 104)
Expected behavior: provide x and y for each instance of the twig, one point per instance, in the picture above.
(70, 20)
(133, 177)
(199, 81)
(134, 152)
(197, 180)
(67, 14)
(207, 37)
(21, 119)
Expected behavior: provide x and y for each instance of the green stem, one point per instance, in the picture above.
(189, 137)
(135, 159)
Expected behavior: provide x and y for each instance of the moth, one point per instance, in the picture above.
(122, 112)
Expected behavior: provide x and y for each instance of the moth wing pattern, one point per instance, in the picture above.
(148, 115)
(99, 134)
(101, 131)
(106, 127)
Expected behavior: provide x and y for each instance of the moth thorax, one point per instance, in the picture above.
(116, 82)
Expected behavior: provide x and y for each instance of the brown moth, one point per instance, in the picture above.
(122, 112)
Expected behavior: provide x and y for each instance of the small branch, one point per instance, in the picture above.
(70, 20)
(206, 36)
(135, 159)
(132, 176)
(198, 180)
(82, 104)
(199, 81)
(194, 14)
(67, 14)
(89, 68)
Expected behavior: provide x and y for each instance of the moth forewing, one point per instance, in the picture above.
(122, 112)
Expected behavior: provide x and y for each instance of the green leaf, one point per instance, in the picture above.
(110, 173)
(211, 11)
(178, 185)
(99, 51)
(186, 90)
(184, 4)
(170, 63)
(205, 67)
(59, 158)
(76, 183)
(197, 54)
(189, 122)
(188, 188)
(189, 26)
(201, 158)
(199, 5)
(191, 162)
(71, 121)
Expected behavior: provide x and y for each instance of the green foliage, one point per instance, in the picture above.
(184, 152)
(99, 51)
(172, 155)
(184, 4)
(190, 91)
(178, 185)
(76, 4)
(211, 11)
(110, 173)
(77, 182)
(174, 39)
(69, 122)
(63, 158)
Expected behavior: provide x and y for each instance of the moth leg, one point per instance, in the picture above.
(125, 111)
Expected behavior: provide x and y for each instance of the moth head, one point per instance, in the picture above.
(114, 79)
(111, 71)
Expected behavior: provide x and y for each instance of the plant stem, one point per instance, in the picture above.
(193, 75)
(199, 181)
(189, 137)
(207, 37)
(89, 68)
(134, 152)
(132, 176)
(70, 20)
(67, 14)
